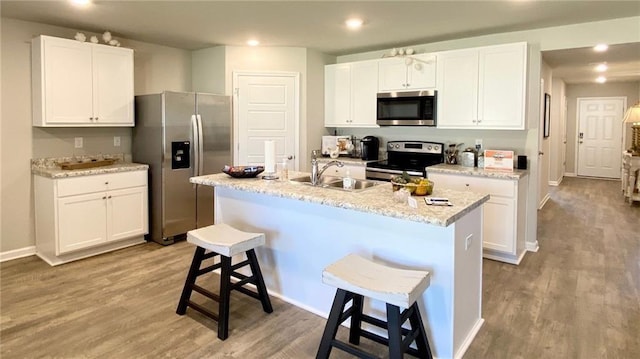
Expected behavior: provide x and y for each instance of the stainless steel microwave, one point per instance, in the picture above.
(411, 108)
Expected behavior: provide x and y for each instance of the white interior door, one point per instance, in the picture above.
(266, 108)
(600, 136)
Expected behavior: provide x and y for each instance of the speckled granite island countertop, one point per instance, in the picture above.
(47, 167)
(377, 200)
(475, 171)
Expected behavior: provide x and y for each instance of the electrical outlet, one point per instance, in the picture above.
(467, 242)
(78, 142)
(116, 141)
(479, 142)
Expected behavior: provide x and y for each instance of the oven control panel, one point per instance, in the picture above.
(415, 147)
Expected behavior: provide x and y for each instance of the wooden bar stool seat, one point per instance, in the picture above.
(355, 278)
(224, 241)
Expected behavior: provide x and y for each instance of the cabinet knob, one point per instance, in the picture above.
(106, 183)
(104, 197)
(90, 118)
(109, 197)
(96, 119)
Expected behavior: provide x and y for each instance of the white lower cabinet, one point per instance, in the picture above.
(504, 217)
(82, 216)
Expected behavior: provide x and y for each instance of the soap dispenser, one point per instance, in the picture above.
(347, 181)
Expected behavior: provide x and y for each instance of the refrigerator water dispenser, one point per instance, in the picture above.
(180, 154)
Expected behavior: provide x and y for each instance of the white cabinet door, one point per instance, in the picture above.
(421, 73)
(407, 73)
(80, 84)
(113, 86)
(358, 172)
(81, 222)
(364, 90)
(350, 94)
(501, 86)
(458, 89)
(483, 88)
(392, 74)
(127, 213)
(66, 76)
(499, 221)
(337, 95)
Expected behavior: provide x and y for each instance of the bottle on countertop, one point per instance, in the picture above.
(347, 181)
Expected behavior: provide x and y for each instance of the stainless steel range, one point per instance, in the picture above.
(410, 156)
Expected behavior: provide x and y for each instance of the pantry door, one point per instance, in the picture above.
(600, 136)
(266, 107)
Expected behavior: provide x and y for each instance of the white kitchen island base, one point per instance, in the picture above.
(303, 238)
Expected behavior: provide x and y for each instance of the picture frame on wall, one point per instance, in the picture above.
(547, 114)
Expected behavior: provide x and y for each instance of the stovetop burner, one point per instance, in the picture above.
(409, 156)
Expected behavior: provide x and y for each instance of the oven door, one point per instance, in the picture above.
(383, 174)
(416, 108)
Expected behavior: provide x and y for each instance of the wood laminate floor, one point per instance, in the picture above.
(578, 297)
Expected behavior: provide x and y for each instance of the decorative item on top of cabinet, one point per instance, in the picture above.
(81, 84)
(350, 94)
(483, 88)
(405, 71)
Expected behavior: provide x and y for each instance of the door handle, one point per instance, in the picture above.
(580, 141)
(540, 153)
(289, 157)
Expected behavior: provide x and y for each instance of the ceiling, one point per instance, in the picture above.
(320, 24)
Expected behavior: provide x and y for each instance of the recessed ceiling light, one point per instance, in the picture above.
(601, 47)
(354, 23)
(602, 68)
(81, 2)
(601, 79)
(253, 42)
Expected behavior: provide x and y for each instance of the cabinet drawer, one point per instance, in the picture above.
(102, 182)
(492, 186)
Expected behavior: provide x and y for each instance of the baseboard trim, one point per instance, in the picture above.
(531, 246)
(556, 183)
(544, 201)
(570, 174)
(469, 339)
(17, 253)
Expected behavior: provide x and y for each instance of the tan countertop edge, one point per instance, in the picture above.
(474, 171)
(376, 200)
(115, 168)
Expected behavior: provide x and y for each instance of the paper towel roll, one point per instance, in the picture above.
(269, 156)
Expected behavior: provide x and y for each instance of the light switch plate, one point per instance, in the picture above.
(116, 141)
(78, 142)
(479, 142)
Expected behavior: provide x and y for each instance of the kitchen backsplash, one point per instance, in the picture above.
(499, 140)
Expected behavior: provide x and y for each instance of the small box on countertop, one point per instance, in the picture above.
(498, 160)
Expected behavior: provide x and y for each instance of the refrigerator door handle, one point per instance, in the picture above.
(200, 147)
(194, 146)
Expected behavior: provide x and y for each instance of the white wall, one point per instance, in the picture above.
(557, 149)
(157, 68)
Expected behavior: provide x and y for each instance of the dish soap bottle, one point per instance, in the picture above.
(347, 181)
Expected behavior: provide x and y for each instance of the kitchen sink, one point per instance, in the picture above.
(336, 183)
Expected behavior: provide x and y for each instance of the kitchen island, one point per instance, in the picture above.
(308, 228)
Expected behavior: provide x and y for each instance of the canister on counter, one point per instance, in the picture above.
(468, 157)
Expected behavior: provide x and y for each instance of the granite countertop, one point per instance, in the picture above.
(48, 167)
(377, 200)
(475, 171)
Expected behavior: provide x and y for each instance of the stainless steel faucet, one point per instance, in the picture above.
(317, 173)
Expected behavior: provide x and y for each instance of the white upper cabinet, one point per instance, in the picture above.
(483, 88)
(407, 73)
(350, 94)
(77, 84)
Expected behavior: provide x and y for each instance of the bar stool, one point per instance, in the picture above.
(356, 277)
(225, 241)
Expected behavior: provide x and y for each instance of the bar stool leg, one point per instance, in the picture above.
(333, 322)
(190, 281)
(421, 339)
(356, 319)
(394, 331)
(260, 286)
(225, 297)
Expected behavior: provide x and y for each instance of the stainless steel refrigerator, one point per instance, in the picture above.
(180, 135)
